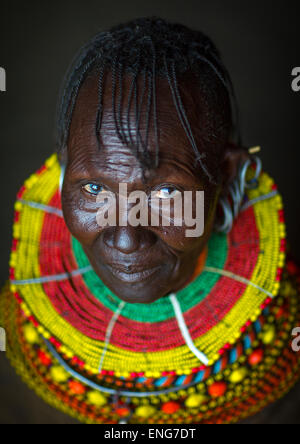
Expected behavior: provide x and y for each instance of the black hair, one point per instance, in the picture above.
(151, 47)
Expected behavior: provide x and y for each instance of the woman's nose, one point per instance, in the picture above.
(128, 239)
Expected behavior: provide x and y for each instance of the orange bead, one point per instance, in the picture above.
(217, 389)
(170, 407)
(256, 357)
(76, 388)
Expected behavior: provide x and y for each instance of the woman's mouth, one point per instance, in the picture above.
(126, 274)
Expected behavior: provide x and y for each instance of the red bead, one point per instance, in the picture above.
(122, 411)
(279, 313)
(256, 357)
(170, 407)
(55, 342)
(21, 192)
(41, 170)
(217, 389)
(281, 216)
(44, 359)
(11, 273)
(18, 298)
(14, 244)
(33, 320)
(76, 388)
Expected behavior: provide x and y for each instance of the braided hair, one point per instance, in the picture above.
(147, 47)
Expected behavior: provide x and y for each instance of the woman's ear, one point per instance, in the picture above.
(234, 157)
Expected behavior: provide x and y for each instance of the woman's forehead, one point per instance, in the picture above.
(87, 104)
(171, 133)
(173, 144)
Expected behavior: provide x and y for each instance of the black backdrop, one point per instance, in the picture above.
(260, 44)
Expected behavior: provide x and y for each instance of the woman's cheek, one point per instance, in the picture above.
(81, 219)
(175, 237)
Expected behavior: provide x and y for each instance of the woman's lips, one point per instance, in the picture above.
(126, 275)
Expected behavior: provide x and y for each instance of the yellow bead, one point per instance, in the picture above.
(18, 206)
(16, 231)
(31, 181)
(195, 400)
(58, 374)
(191, 390)
(31, 334)
(47, 335)
(276, 286)
(51, 161)
(238, 375)
(96, 398)
(145, 411)
(268, 335)
(13, 260)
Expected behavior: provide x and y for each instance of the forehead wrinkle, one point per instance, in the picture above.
(174, 146)
(114, 167)
(170, 127)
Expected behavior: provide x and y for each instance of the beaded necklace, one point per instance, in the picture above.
(140, 352)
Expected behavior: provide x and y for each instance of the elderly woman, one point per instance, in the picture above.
(141, 322)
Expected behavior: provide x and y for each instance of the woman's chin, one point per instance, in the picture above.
(145, 291)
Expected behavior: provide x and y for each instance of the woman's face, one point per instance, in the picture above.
(140, 264)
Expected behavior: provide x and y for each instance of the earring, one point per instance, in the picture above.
(62, 176)
(231, 204)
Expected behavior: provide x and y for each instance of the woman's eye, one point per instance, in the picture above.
(167, 192)
(93, 189)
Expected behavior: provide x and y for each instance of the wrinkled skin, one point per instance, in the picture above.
(121, 255)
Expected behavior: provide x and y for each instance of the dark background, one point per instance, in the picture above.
(260, 44)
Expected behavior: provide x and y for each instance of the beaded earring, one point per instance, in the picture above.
(231, 204)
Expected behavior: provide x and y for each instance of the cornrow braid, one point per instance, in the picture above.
(150, 47)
